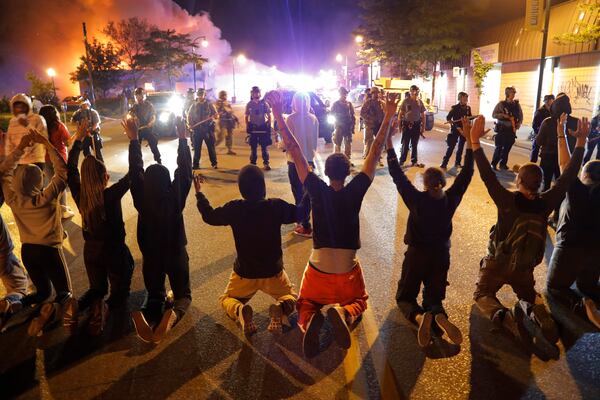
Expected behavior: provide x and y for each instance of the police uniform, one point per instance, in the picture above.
(457, 112)
(372, 113)
(204, 132)
(93, 119)
(227, 121)
(505, 134)
(144, 113)
(343, 111)
(259, 129)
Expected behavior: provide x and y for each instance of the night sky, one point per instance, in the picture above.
(295, 35)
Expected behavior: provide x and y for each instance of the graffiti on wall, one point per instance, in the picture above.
(577, 91)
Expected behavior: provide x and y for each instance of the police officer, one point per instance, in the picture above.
(145, 115)
(372, 113)
(86, 114)
(459, 110)
(509, 116)
(201, 121)
(227, 121)
(345, 120)
(540, 115)
(258, 126)
(412, 117)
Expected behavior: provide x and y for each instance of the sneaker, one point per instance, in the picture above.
(449, 328)
(168, 320)
(245, 319)
(424, 333)
(310, 341)
(276, 314)
(97, 317)
(67, 212)
(70, 315)
(592, 311)
(142, 328)
(38, 323)
(341, 332)
(444, 166)
(542, 317)
(231, 153)
(302, 231)
(267, 167)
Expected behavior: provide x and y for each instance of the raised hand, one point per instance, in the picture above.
(181, 128)
(37, 137)
(26, 141)
(583, 129)
(198, 181)
(130, 127)
(82, 130)
(466, 128)
(477, 130)
(275, 101)
(391, 104)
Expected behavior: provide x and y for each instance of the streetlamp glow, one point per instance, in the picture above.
(339, 58)
(359, 39)
(204, 43)
(241, 59)
(51, 72)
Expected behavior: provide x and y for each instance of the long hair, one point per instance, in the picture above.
(50, 114)
(91, 201)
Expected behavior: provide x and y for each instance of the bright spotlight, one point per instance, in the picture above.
(331, 119)
(339, 58)
(164, 117)
(242, 59)
(51, 72)
(204, 43)
(359, 39)
(174, 105)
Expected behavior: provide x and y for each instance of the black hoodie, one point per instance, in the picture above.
(547, 137)
(159, 201)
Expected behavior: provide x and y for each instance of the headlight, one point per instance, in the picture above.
(164, 117)
(175, 105)
(331, 119)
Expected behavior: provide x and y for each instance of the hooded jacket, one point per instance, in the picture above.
(35, 153)
(547, 137)
(35, 207)
(159, 201)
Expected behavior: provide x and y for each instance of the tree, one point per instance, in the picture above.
(584, 32)
(480, 71)
(105, 61)
(43, 90)
(416, 35)
(166, 50)
(129, 35)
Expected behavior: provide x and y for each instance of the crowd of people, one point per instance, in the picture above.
(36, 170)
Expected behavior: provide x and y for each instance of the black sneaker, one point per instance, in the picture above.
(449, 328)
(310, 342)
(341, 332)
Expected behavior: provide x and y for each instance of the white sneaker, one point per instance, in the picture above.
(67, 212)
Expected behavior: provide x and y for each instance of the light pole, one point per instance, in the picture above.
(52, 73)
(242, 60)
(204, 44)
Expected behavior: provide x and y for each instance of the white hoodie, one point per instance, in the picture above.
(35, 153)
(304, 126)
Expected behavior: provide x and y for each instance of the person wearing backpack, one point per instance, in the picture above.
(576, 253)
(518, 241)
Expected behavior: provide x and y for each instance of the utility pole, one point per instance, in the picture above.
(89, 66)
(548, 5)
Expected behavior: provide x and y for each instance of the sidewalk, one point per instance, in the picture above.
(522, 134)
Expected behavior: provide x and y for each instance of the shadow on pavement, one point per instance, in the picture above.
(500, 366)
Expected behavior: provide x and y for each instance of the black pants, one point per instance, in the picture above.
(428, 266)
(492, 276)
(551, 169)
(157, 266)
(264, 140)
(204, 135)
(504, 141)
(451, 140)
(300, 195)
(150, 137)
(87, 145)
(410, 136)
(535, 151)
(107, 262)
(47, 268)
(574, 264)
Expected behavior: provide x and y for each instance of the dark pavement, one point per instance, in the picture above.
(207, 357)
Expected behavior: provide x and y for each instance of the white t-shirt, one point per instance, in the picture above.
(33, 154)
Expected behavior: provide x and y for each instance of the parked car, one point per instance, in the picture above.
(167, 105)
(72, 102)
(318, 107)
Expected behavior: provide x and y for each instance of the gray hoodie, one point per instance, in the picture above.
(35, 208)
(35, 153)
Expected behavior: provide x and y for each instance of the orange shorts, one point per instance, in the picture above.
(319, 289)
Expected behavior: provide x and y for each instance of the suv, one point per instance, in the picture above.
(317, 107)
(167, 105)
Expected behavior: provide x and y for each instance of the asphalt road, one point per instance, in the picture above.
(207, 357)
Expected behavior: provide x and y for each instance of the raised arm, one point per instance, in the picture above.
(183, 174)
(73, 177)
(58, 183)
(210, 215)
(370, 164)
(9, 163)
(497, 192)
(564, 156)
(136, 162)
(462, 181)
(291, 144)
(404, 186)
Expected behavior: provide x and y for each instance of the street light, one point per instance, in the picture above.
(359, 39)
(204, 44)
(52, 73)
(242, 60)
(339, 58)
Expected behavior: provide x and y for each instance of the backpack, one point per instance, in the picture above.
(524, 246)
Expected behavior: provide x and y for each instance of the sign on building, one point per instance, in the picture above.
(455, 72)
(534, 15)
(489, 54)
